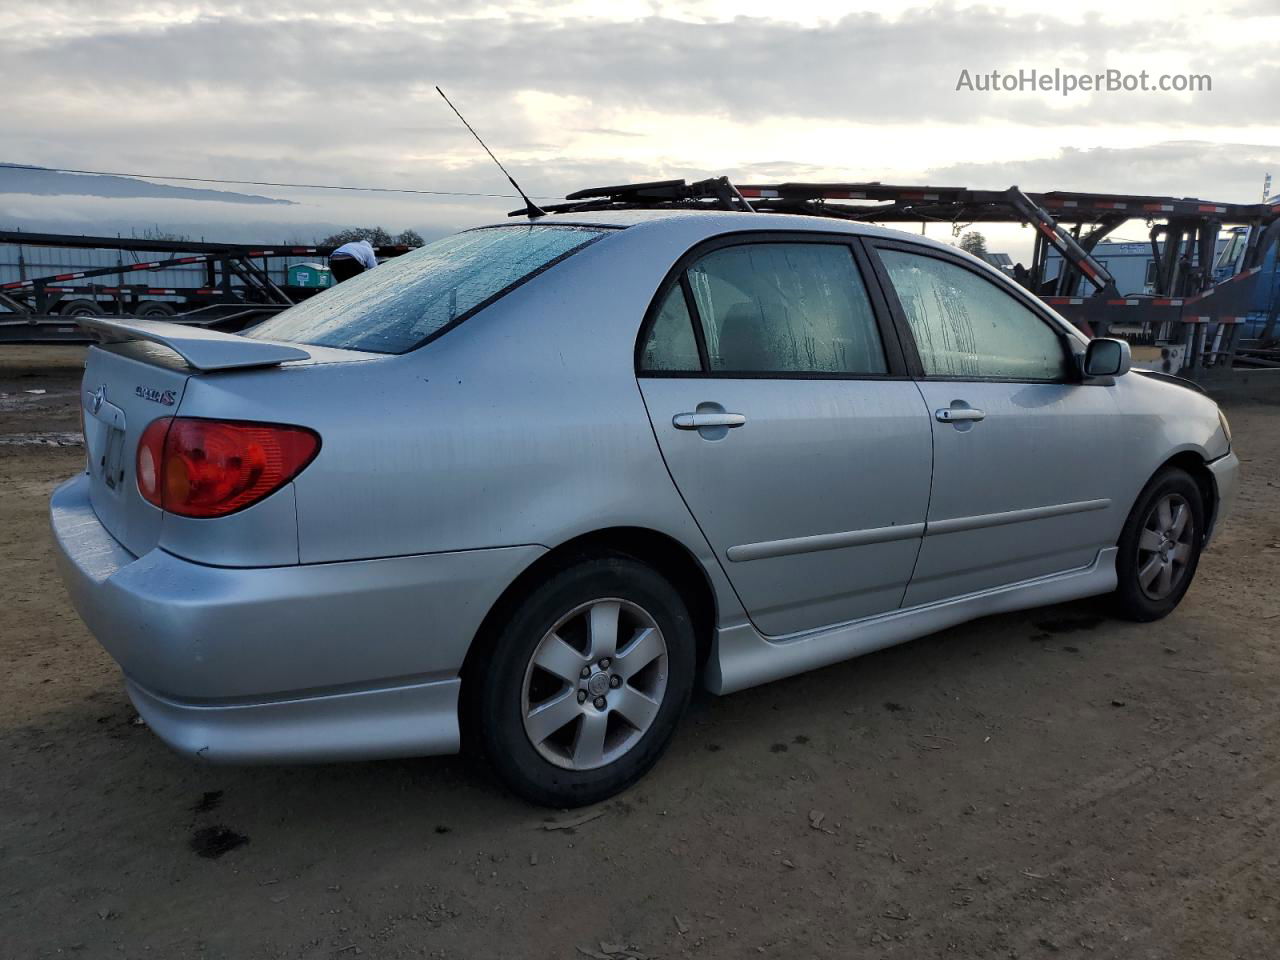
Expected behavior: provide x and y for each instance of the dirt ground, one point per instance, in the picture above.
(1043, 784)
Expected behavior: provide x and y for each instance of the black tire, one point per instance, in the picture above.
(80, 308)
(1135, 600)
(155, 309)
(498, 705)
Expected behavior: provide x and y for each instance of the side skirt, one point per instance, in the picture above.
(745, 658)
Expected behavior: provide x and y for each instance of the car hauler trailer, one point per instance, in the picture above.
(1191, 313)
(49, 280)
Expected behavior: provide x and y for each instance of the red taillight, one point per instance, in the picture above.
(209, 468)
(150, 457)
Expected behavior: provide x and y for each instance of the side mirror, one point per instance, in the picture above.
(1107, 358)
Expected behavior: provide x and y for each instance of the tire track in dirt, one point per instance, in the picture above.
(1137, 836)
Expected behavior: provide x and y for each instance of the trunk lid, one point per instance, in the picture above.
(141, 372)
(126, 386)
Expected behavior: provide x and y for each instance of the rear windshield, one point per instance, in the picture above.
(399, 304)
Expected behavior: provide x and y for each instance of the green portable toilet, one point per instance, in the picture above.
(311, 275)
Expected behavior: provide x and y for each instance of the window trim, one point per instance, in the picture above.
(890, 342)
(1037, 309)
(699, 333)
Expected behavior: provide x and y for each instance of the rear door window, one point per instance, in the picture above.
(786, 308)
(400, 304)
(770, 308)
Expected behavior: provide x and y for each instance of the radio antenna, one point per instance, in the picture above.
(531, 209)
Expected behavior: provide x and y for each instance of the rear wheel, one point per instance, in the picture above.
(1160, 547)
(586, 682)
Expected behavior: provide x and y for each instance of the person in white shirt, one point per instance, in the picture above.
(351, 259)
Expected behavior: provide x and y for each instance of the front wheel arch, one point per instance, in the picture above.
(1195, 465)
(1132, 598)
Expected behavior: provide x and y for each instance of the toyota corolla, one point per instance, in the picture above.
(531, 483)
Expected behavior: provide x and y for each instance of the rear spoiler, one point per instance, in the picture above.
(200, 347)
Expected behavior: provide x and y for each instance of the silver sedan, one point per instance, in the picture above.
(531, 483)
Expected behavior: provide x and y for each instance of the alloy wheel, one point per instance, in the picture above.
(594, 684)
(1165, 546)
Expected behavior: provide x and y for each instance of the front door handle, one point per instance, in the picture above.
(956, 414)
(696, 421)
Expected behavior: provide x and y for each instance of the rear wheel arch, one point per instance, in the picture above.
(663, 553)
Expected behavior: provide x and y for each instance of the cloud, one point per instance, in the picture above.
(863, 67)
(1230, 172)
(320, 91)
(1255, 8)
(609, 132)
(36, 181)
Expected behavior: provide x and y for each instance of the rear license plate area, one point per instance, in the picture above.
(111, 459)
(104, 436)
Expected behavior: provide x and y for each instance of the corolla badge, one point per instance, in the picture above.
(165, 397)
(97, 397)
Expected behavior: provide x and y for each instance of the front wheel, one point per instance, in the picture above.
(586, 682)
(1160, 547)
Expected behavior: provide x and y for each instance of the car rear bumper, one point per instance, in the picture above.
(1226, 477)
(414, 720)
(295, 663)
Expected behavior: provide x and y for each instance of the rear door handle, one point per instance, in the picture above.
(956, 414)
(696, 421)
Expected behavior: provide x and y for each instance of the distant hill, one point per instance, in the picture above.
(39, 181)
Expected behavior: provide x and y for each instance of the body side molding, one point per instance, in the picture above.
(745, 658)
(823, 541)
(983, 520)
(903, 531)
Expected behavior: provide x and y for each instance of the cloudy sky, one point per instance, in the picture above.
(581, 92)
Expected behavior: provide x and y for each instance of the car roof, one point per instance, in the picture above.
(711, 223)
